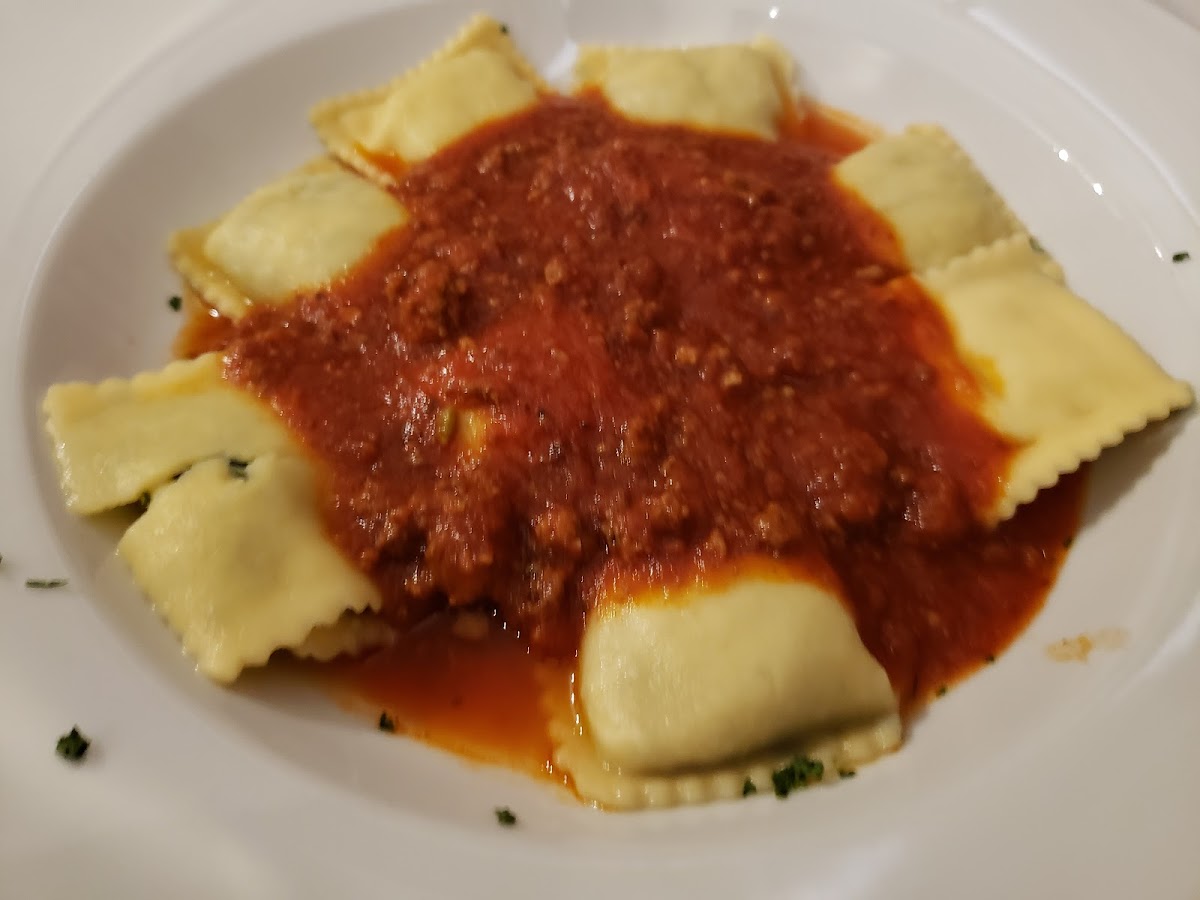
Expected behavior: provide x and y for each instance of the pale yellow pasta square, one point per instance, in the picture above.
(741, 88)
(711, 674)
(238, 564)
(1058, 377)
(298, 233)
(682, 695)
(351, 635)
(119, 438)
(477, 77)
(938, 204)
(839, 749)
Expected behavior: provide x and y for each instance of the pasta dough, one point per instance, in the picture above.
(239, 564)
(118, 439)
(735, 87)
(351, 635)
(712, 674)
(839, 749)
(479, 76)
(1057, 376)
(298, 233)
(234, 558)
(925, 186)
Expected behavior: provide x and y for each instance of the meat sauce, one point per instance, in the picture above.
(608, 352)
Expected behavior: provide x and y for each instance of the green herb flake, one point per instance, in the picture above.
(503, 28)
(1036, 245)
(1067, 542)
(237, 468)
(386, 723)
(72, 745)
(176, 303)
(446, 424)
(42, 584)
(748, 788)
(1181, 256)
(796, 775)
(505, 816)
(846, 773)
(941, 692)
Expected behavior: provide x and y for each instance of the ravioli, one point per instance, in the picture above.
(702, 675)
(840, 750)
(118, 439)
(682, 696)
(237, 563)
(351, 635)
(929, 191)
(1057, 377)
(230, 549)
(296, 234)
(741, 88)
(477, 77)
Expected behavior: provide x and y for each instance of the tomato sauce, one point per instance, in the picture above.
(676, 349)
(479, 693)
(203, 328)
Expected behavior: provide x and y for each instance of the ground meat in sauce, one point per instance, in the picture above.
(684, 348)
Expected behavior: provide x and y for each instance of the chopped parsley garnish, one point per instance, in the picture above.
(1181, 256)
(846, 773)
(44, 583)
(505, 817)
(176, 302)
(941, 692)
(386, 723)
(1036, 245)
(798, 774)
(503, 28)
(748, 788)
(72, 745)
(237, 468)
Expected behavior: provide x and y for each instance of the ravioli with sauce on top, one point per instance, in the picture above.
(672, 437)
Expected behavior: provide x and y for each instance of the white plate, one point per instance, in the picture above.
(1034, 778)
